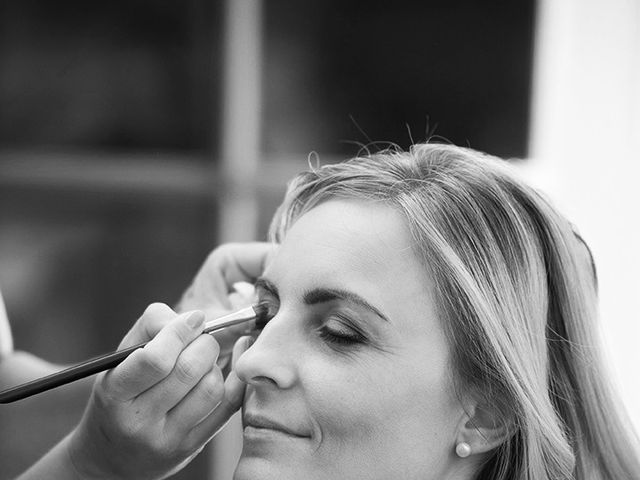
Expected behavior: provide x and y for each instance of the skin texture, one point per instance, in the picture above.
(360, 397)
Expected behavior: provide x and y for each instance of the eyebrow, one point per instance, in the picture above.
(323, 295)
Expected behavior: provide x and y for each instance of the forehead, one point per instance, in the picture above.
(357, 245)
(362, 234)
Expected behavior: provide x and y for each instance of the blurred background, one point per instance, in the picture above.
(136, 136)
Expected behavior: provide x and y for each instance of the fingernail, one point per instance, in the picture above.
(195, 319)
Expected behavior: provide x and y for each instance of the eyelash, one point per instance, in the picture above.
(272, 306)
(331, 336)
(339, 337)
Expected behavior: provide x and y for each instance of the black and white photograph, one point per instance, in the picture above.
(320, 240)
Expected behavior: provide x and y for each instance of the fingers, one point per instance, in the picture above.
(155, 318)
(230, 402)
(226, 265)
(243, 296)
(199, 402)
(195, 362)
(147, 366)
(237, 262)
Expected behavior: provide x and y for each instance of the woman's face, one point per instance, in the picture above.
(351, 379)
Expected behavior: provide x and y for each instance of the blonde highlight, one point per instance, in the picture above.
(517, 297)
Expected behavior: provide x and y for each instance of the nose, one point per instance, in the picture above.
(269, 361)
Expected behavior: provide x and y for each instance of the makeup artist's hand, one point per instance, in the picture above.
(224, 283)
(149, 416)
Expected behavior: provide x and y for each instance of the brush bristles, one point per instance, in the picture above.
(262, 315)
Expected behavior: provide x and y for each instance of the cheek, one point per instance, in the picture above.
(372, 408)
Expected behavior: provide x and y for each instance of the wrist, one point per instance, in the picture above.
(87, 460)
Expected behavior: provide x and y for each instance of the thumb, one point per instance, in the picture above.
(232, 401)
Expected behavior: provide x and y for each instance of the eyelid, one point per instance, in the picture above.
(267, 286)
(346, 322)
(265, 292)
(342, 335)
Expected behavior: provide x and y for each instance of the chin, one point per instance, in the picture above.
(253, 468)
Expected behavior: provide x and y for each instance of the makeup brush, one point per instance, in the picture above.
(257, 315)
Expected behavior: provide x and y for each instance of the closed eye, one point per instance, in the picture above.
(336, 331)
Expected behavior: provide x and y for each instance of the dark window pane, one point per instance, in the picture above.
(123, 74)
(461, 65)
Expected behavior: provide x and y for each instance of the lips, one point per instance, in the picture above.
(258, 421)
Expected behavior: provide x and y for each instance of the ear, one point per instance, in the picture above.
(484, 428)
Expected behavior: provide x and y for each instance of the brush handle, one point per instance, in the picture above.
(71, 374)
(105, 362)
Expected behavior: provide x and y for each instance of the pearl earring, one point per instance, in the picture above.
(463, 449)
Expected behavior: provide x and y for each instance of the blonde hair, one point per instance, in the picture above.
(517, 296)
